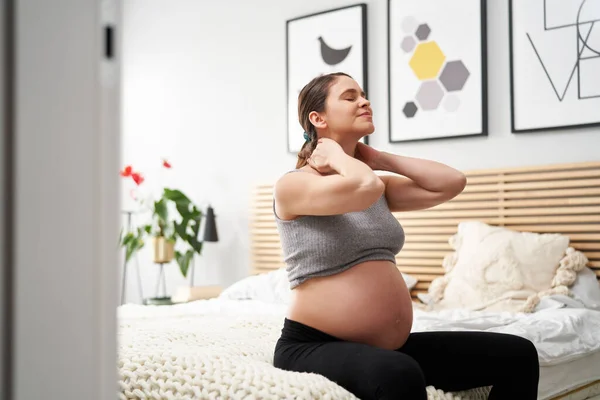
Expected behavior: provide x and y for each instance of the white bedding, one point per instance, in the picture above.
(200, 349)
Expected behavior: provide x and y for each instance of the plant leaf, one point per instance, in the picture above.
(196, 245)
(184, 210)
(176, 196)
(180, 229)
(195, 228)
(160, 209)
(184, 261)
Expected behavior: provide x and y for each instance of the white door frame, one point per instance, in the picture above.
(6, 130)
(63, 241)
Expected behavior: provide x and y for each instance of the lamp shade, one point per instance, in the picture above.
(210, 228)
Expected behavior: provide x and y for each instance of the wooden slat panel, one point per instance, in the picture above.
(536, 168)
(426, 246)
(422, 285)
(562, 198)
(556, 228)
(540, 176)
(423, 254)
(584, 246)
(411, 262)
(594, 264)
(422, 270)
(426, 277)
(499, 221)
(276, 251)
(530, 194)
(506, 212)
(581, 183)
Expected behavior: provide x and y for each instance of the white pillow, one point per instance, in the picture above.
(273, 287)
(496, 268)
(410, 280)
(586, 289)
(270, 287)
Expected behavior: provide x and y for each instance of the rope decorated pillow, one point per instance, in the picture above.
(500, 269)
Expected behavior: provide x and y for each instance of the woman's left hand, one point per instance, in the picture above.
(368, 155)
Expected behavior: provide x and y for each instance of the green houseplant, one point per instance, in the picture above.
(174, 220)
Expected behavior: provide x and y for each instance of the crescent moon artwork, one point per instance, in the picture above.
(329, 41)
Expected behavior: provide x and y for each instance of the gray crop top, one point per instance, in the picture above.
(326, 245)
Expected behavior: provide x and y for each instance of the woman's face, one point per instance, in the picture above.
(347, 110)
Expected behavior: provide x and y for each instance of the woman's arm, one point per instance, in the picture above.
(423, 184)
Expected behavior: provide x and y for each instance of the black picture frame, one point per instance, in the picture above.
(482, 129)
(542, 69)
(292, 125)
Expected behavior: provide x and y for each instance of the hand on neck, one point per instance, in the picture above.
(347, 143)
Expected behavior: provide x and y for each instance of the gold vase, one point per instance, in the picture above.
(164, 249)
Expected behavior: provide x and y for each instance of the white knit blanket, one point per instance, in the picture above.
(173, 353)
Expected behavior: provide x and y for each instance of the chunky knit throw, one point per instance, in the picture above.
(179, 356)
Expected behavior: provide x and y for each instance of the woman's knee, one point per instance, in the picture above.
(527, 352)
(520, 357)
(399, 377)
(520, 348)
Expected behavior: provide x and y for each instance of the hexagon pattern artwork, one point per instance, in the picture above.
(427, 60)
(423, 32)
(451, 102)
(430, 95)
(429, 64)
(454, 75)
(410, 109)
(408, 44)
(409, 24)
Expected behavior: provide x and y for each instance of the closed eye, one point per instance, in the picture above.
(351, 95)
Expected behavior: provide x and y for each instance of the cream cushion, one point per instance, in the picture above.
(496, 268)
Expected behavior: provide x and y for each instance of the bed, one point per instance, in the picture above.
(221, 348)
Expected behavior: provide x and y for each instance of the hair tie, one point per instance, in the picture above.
(306, 137)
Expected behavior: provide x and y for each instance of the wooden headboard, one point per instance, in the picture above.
(561, 198)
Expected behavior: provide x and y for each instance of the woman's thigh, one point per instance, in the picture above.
(367, 372)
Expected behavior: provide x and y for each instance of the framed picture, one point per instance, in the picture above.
(437, 69)
(321, 43)
(554, 64)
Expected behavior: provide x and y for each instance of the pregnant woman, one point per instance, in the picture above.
(351, 315)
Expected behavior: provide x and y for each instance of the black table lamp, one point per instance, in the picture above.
(210, 235)
(210, 227)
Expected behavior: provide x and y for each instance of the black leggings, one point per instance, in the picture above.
(451, 361)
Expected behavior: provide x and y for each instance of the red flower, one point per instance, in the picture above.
(137, 178)
(166, 164)
(126, 172)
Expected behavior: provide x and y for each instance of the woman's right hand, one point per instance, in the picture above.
(324, 156)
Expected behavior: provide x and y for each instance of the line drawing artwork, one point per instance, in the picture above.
(586, 31)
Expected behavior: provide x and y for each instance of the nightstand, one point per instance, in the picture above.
(190, 293)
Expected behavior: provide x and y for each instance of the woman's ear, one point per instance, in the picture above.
(317, 120)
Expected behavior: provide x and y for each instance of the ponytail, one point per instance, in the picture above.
(307, 148)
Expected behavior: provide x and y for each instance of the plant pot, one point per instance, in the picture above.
(164, 250)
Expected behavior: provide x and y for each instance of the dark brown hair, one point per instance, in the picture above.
(312, 97)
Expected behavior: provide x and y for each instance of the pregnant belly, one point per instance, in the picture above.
(368, 303)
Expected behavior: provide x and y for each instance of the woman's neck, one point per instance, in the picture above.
(349, 145)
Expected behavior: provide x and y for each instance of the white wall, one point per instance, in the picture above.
(204, 84)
